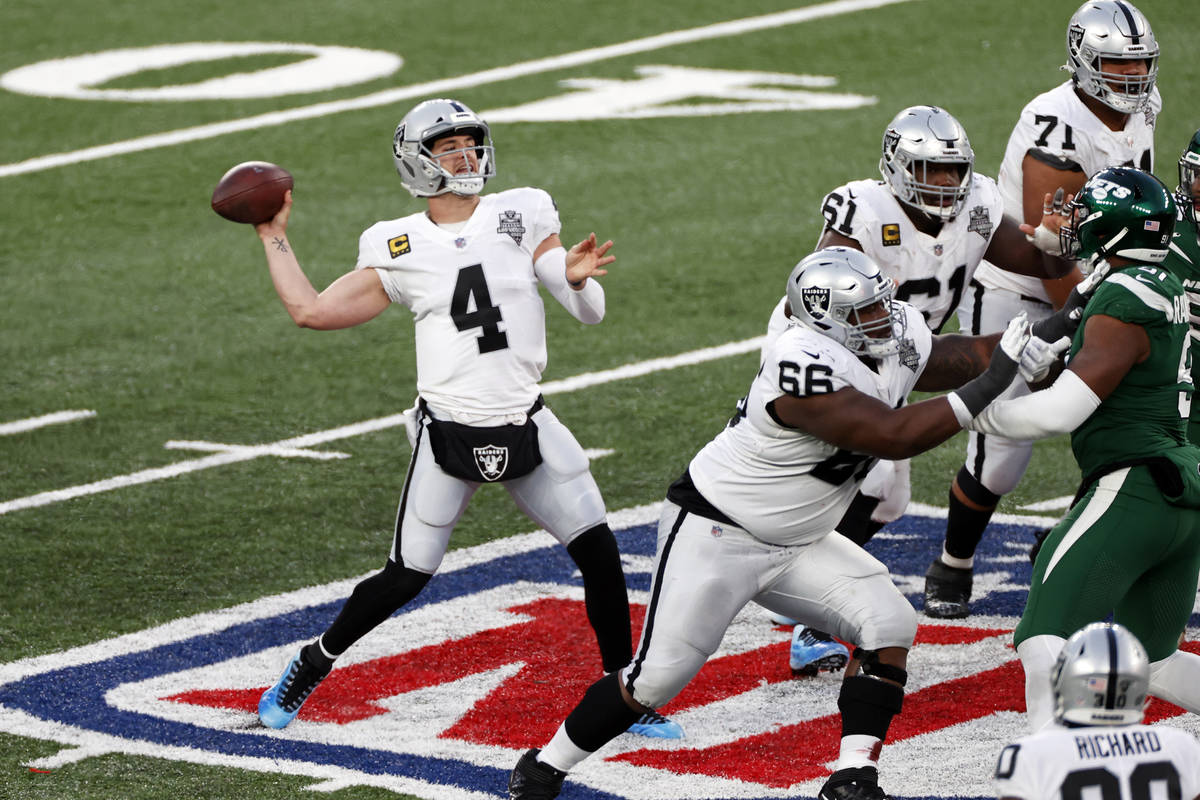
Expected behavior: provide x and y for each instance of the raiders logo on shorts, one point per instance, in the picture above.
(491, 460)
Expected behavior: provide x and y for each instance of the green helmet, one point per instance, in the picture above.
(1120, 212)
(1189, 171)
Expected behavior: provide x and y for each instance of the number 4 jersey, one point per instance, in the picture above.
(479, 320)
(781, 484)
(1129, 762)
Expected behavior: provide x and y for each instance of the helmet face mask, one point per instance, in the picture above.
(1102, 677)
(928, 162)
(839, 292)
(1106, 31)
(1187, 193)
(421, 171)
(1120, 212)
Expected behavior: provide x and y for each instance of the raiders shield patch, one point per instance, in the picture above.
(492, 461)
(816, 300)
(399, 245)
(510, 223)
(891, 235)
(981, 222)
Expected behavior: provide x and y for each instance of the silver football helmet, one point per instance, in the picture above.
(828, 291)
(1102, 677)
(1112, 30)
(420, 172)
(917, 139)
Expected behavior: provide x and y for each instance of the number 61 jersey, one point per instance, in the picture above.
(781, 484)
(479, 320)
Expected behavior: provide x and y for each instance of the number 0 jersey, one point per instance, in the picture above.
(931, 270)
(1059, 129)
(1129, 762)
(479, 320)
(781, 484)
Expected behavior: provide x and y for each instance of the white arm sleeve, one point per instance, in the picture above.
(586, 304)
(1061, 408)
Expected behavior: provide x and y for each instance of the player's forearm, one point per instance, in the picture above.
(911, 430)
(295, 291)
(1059, 409)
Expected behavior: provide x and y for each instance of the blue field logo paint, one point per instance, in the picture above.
(440, 701)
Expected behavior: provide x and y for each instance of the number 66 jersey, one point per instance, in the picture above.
(479, 320)
(785, 486)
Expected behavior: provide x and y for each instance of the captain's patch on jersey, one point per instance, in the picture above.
(441, 700)
(510, 223)
(399, 245)
(891, 235)
(981, 221)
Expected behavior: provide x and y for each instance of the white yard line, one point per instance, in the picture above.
(33, 423)
(233, 454)
(719, 30)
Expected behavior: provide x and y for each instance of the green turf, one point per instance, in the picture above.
(125, 294)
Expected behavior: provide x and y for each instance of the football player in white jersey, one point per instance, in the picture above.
(468, 267)
(752, 517)
(927, 224)
(1102, 116)
(1098, 746)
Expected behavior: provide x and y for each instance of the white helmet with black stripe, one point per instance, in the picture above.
(1112, 30)
(1102, 677)
(420, 172)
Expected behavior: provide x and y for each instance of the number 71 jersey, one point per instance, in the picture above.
(783, 485)
(479, 321)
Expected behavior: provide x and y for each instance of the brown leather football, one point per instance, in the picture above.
(251, 192)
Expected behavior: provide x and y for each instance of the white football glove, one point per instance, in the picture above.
(1015, 336)
(1039, 356)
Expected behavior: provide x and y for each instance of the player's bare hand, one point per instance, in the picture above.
(1055, 210)
(276, 227)
(588, 259)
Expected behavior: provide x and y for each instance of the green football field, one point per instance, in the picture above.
(125, 296)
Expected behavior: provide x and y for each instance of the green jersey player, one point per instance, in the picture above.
(1130, 545)
(1183, 256)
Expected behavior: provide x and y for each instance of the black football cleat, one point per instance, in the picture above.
(947, 591)
(533, 780)
(855, 783)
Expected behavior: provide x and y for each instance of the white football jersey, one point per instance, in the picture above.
(479, 320)
(932, 271)
(1130, 762)
(1061, 128)
(785, 486)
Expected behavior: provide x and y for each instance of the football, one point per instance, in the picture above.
(251, 192)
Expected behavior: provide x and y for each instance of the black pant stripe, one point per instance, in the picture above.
(412, 465)
(648, 626)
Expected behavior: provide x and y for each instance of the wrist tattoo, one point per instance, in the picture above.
(280, 244)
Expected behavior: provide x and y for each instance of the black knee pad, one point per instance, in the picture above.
(871, 665)
(975, 491)
(601, 716)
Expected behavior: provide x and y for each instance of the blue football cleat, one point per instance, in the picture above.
(815, 651)
(656, 726)
(280, 704)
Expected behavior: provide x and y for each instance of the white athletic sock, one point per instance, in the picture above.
(1176, 679)
(859, 750)
(957, 563)
(562, 753)
(1038, 654)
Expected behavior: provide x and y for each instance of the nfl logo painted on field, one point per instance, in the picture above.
(441, 700)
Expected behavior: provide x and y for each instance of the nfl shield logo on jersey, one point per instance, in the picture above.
(491, 460)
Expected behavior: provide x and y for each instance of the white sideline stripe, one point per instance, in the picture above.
(445, 85)
(1053, 504)
(33, 423)
(268, 450)
(232, 454)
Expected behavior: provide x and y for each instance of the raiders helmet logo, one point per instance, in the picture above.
(891, 138)
(510, 223)
(491, 460)
(816, 300)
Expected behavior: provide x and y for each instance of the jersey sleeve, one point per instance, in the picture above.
(843, 214)
(369, 257)
(545, 218)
